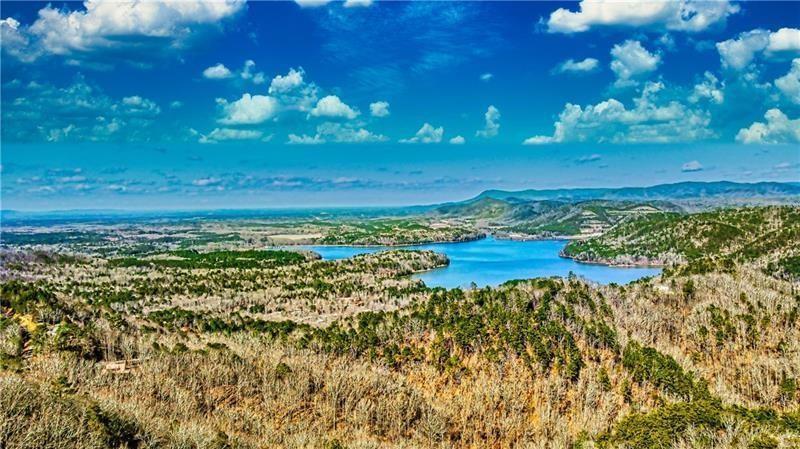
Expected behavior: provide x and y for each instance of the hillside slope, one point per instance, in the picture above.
(716, 238)
(522, 219)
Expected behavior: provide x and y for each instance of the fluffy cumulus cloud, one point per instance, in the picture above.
(333, 106)
(740, 52)
(287, 94)
(137, 106)
(217, 72)
(458, 140)
(114, 26)
(285, 83)
(293, 91)
(492, 125)
(248, 73)
(572, 66)
(337, 133)
(248, 110)
(426, 134)
(789, 84)
(379, 109)
(222, 134)
(15, 41)
(709, 88)
(677, 15)
(631, 60)
(651, 120)
(778, 129)
(692, 166)
(486, 77)
(785, 39)
(76, 112)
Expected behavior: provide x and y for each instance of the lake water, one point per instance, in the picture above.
(491, 262)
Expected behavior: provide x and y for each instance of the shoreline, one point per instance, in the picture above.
(561, 253)
(386, 245)
(608, 263)
(532, 238)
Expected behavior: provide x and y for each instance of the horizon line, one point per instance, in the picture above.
(364, 206)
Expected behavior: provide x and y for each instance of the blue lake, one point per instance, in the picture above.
(491, 262)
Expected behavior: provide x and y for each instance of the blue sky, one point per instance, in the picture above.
(188, 105)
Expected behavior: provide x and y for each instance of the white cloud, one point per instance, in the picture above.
(76, 112)
(588, 158)
(248, 110)
(789, 84)
(710, 88)
(457, 140)
(293, 91)
(285, 83)
(678, 15)
(247, 73)
(221, 134)
(492, 125)
(692, 166)
(785, 39)
(15, 41)
(778, 129)
(667, 41)
(740, 52)
(104, 129)
(379, 109)
(540, 140)
(59, 134)
(217, 72)
(337, 133)
(572, 66)
(630, 60)
(312, 3)
(138, 106)
(102, 23)
(332, 106)
(287, 93)
(426, 134)
(650, 120)
(357, 3)
(295, 139)
(487, 77)
(177, 104)
(206, 182)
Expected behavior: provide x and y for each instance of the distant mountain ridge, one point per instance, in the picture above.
(583, 212)
(518, 205)
(699, 191)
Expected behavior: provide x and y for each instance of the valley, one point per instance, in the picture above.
(208, 333)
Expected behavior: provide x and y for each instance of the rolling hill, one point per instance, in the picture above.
(699, 193)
